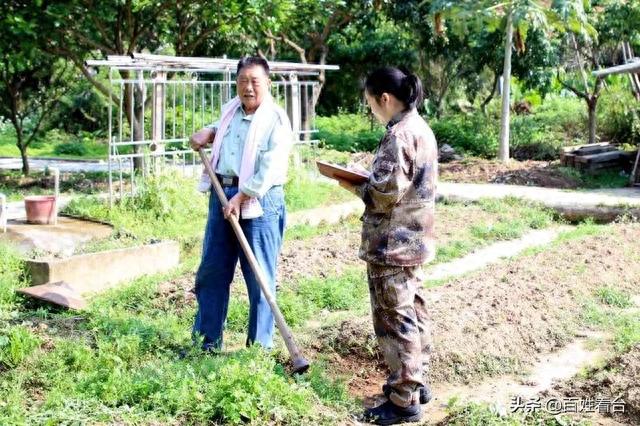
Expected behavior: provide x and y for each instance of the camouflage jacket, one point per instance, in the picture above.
(399, 197)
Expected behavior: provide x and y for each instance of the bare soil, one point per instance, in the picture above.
(531, 173)
(337, 250)
(501, 319)
(619, 378)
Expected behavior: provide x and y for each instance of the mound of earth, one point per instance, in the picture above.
(530, 173)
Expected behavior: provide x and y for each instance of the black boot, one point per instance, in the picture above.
(425, 393)
(390, 414)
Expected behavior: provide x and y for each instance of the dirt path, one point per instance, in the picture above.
(498, 391)
(505, 319)
(492, 254)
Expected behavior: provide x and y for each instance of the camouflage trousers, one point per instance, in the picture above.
(401, 324)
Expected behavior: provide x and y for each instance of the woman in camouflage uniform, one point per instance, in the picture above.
(397, 239)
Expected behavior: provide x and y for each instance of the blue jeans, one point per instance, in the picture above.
(220, 255)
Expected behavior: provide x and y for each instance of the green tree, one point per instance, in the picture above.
(83, 29)
(301, 30)
(31, 80)
(368, 42)
(469, 60)
(618, 27)
(516, 19)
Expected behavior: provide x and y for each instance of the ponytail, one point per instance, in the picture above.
(412, 87)
(399, 82)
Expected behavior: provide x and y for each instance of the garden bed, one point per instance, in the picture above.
(531, 173)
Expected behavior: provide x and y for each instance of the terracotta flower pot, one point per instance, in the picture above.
(40, 209)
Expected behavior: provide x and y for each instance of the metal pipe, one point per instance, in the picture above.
(56, 192)
(4, 212)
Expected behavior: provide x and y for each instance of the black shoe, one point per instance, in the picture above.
(425, 393)
(390, 414)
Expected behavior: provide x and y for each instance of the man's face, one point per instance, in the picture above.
(253, 85)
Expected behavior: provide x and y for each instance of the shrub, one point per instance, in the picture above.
(473, 134)
(532, 139)
(538, 136)
(349, 132)
(619, 116)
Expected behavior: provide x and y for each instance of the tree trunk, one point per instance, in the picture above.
(439, 104)
(506, 91)
(483, 106)
(23, 152)
(592, 103)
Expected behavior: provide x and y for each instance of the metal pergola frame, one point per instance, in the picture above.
(631, 67)
(169, 97)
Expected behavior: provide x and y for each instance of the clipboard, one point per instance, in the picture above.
(334, 171)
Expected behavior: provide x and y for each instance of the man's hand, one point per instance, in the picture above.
(233, 207)
(201, 138)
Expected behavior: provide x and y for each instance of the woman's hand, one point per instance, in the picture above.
(348, 186)
(357, 167)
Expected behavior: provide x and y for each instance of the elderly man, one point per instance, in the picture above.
(251, 145)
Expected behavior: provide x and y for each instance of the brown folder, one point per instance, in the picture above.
(334, 171)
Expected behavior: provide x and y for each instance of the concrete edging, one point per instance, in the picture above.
(96, 272)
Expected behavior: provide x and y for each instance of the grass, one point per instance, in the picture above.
(305, 231)
(511, 218)
(310, 153)
(119, 380)
(167, 207)
(11, 277)
(92, 148)
(584, 229)
(624, 325)
(16, 344)
(304, 192)
(476, 414)
(614, 297)
(330, 390)
(119, 363)
(300, 301)
(604, 179)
